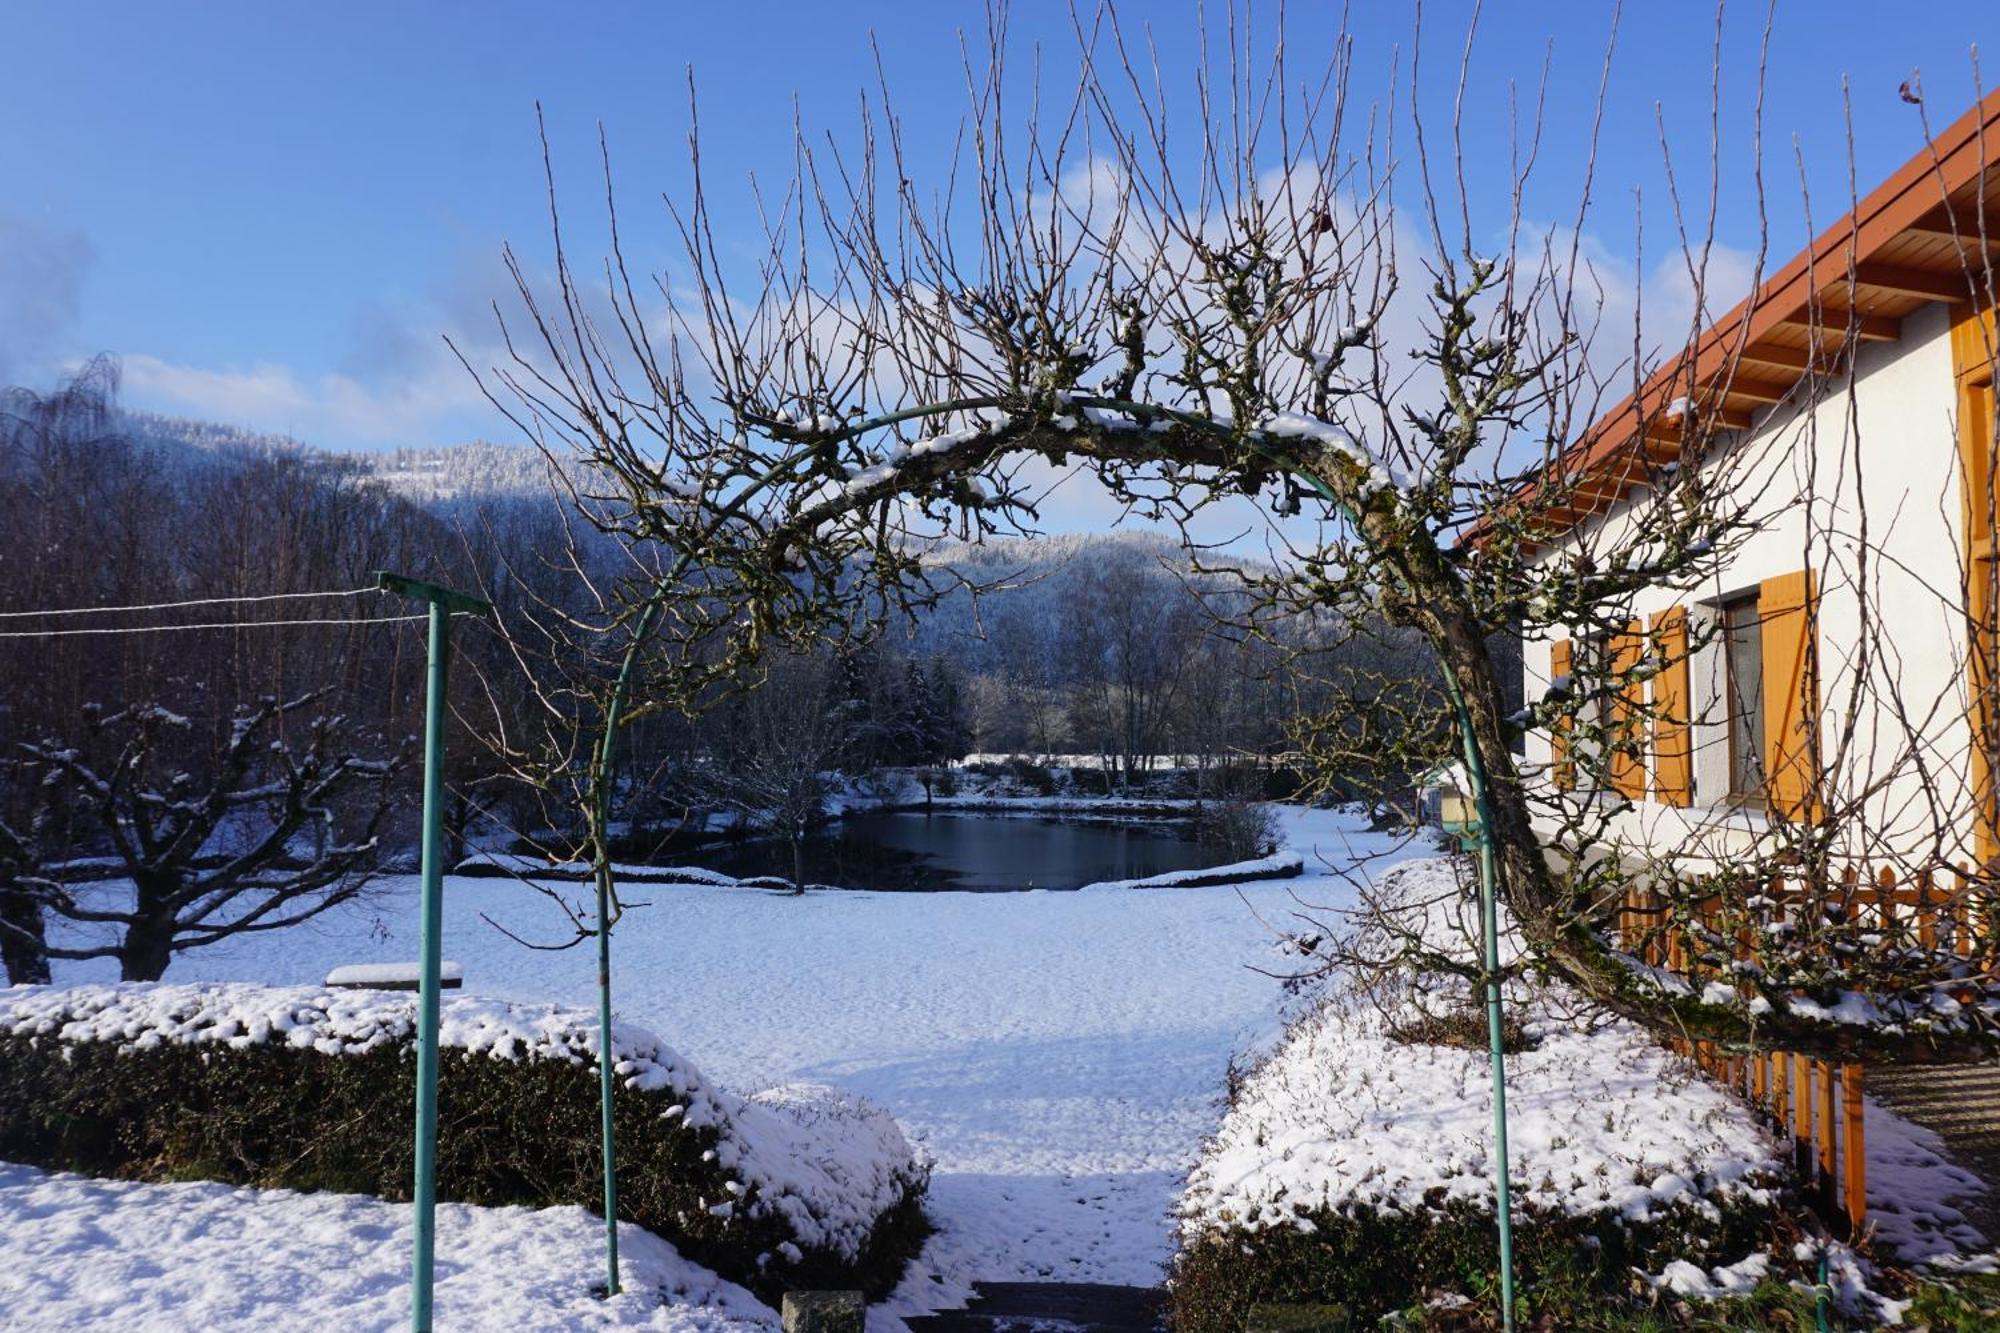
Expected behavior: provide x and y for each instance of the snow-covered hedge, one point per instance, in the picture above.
(313, 1088)
(1355, 1166)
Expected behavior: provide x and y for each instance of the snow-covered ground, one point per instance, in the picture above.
(111, 1254)
(1060, 1054)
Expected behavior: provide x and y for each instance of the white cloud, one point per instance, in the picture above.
(397, 383)
(42, 268)
(333, 409)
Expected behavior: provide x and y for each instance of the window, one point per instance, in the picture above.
(1593, 713)
(1743, 696)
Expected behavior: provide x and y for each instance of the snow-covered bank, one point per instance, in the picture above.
(1278, 865)
(503, 864)
(110, 1254)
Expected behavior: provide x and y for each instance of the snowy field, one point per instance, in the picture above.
(1060, 1055)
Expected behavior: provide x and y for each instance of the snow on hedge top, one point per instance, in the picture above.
(829, 1164)
(1342, 1115)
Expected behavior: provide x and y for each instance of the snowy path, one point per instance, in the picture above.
(1061, 1055)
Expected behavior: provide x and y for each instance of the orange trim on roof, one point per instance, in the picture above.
(1852, 283)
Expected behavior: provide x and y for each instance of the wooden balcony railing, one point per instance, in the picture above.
(1816, 1104)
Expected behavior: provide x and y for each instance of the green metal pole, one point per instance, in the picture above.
(606, 1084)
(424, 1227)
(1489, 930)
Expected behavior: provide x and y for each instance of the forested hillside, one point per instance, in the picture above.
(1102, 644)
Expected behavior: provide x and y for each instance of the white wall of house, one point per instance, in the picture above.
(1885, 454)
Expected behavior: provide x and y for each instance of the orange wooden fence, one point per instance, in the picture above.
(1817, 1104)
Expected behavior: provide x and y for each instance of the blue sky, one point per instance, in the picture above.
(271, 212)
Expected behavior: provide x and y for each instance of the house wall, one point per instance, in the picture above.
(1881, 458)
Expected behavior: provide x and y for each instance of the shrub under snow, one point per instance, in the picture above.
(313, 1088)
(1354, 1165)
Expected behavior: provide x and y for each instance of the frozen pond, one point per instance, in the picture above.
(909, 850)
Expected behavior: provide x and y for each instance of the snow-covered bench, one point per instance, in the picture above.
(391, 976)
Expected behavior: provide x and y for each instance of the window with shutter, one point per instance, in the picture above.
(1742, 632)
(1628, 768)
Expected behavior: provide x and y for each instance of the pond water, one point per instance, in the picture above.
(912, 850)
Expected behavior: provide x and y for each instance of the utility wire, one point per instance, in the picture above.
(199, 601)
(219, 624)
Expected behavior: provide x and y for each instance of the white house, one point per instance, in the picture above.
(1841, 655)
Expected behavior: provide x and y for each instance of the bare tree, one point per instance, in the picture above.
(264, 840)
(27, 847)
(778, 742)
(1131, 636)
(1234, 308)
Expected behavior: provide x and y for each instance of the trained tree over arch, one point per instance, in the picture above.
(1245, 307)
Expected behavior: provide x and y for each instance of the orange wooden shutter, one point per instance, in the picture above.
(1560, 673)
(1628, 766)
(1673, 749)
(1791, 695)
(1973, 353)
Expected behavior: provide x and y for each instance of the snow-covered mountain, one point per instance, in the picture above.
(474, 471)
(1027, 577)
(432, 475)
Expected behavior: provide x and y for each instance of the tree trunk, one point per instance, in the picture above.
(148, 945)
(24, 948)
(147, 949)
(798, 861)
(457, 819)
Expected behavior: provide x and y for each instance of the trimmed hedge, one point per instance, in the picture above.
(1354, 1164)
(1377, 1261)
(511, 1131)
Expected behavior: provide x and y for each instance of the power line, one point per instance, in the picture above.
(175, 606)
(219, 624)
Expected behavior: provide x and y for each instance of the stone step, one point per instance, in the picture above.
(1019, 1307)
(973, 1321)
